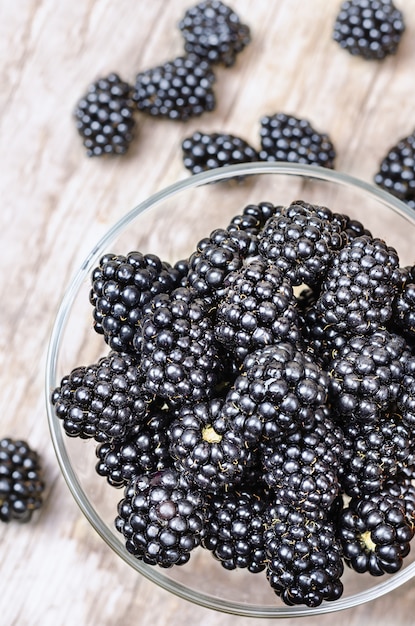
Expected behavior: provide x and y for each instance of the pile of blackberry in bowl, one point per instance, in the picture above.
(231, 390)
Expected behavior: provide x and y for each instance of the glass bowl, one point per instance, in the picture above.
(169, 224)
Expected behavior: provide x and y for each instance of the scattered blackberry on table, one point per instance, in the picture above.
(366, 374)
(177, 90)
(396, 173)
(301, 241)
(105, 116)
(234, 530)
(356, 295)
(288, 138)
(161, 518)
(121, 288)
(304, 557)
(205, 448)
(256, 309)
(140, 453)
(371, 29)
(105, 400)
(374, 452)
(180, 360)
(278, 390)
(302, 468)
(21, 481)
(214, 32)
(206, 151)
(375, 534)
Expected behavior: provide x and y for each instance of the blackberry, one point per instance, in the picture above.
(253, 217)
(365, 375)
(288, 138)
(356, 295)
(214, 258)
(375, 534)
(206, 151)
(21, 481)
(177, 90)
(371, 29)
(403, 316)
(257, 309)
(140, 453)
(301, 240)
(352, 228)
(406, 397)
(278, 390)
(214, 32)
(319, 340)
(234, 531)
(374, 452)
(105, 116)
(396, 173)
(122, 287)
(301, 468)
(161, 518)
(205, 448)
(104, 401)
(402, 488)
(180, 360)
(304, 557)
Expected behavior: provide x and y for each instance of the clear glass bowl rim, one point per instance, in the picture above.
(58, 437)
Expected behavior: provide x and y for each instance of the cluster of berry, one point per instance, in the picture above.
(257, 400)
(177, 90)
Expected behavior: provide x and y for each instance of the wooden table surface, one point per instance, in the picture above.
(56, 203)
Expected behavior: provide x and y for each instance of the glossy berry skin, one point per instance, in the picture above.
(121, 288)
(256, 309)
(403, 315)
(214, 32)
(161, 518)
(396, 173)
(371, 29)
(104, 401)
(300, 241)
(285, 137)
(177, 90)
(304, 557)
(21, 481)
(357, 294)
(105, 117)
(375, 534)
(206, 151)
(234, 531)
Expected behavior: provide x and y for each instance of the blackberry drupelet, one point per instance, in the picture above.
(104, 401)
(403, 316)
(177, 90)
(161, 518)
(375, 534)
(205, 448)
(374, 452)
(180, 360)
(356, 295)
(206, 151)
(301, 241)
(278, 390)
(234, 530)
(214, 32)
(371, 29)
(289, 138)
(365, 375)
(140, 453)
(121, 288)
(396, 172)
(302, 468)
(256, 309)
(21, 481)
(105, 116)
(304, 557)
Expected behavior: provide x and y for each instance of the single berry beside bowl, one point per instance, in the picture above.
(396, 172)
(206, 151)
(105, 116)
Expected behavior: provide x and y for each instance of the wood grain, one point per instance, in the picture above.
(56, 203)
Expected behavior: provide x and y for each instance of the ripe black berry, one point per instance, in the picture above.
(396, 172)
(206, 151)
